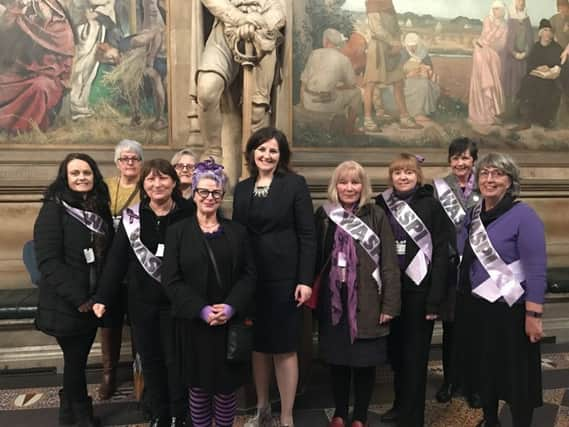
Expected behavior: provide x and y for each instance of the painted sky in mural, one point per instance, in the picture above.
(537, 9)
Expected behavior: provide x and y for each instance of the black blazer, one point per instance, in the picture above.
(434, 285)
(185, 269)
(285, 245)
(64, 285)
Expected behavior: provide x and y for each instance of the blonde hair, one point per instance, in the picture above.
(354, 169)
(405, 161)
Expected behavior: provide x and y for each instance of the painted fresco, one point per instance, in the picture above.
(83, 71)
(412, 73)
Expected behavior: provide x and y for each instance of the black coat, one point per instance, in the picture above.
(434, 285)
(122, 262)
(59, 242)
(185, 269)
(186, 278)
(285, 246)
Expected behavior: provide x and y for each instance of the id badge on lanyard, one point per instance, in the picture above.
(117, 222)
(400, 247)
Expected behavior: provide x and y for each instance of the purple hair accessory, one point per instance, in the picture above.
(419, 158)
(208, 168)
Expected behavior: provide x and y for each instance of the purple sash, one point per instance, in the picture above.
(449, 201)
(360, 232)
(417, 230)
(89, 219)
(505, 279)
(150, 262)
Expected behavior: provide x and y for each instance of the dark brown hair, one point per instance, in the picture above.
(259, 138)
(162, 166)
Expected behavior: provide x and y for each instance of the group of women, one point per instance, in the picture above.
(378, 270)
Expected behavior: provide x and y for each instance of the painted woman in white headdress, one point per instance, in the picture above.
(421, 87)
(486, 98)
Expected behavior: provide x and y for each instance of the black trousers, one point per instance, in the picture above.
(448, 343)
(75, 352)
(364, 380)
(154, 337)
(408, 352)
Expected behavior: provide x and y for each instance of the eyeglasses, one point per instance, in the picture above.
(496, 173)
(204, 193)
(183, 166)
(129, 159)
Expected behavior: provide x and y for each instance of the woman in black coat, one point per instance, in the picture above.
(274, 205)
(72, 235)
(136, 255)
(415, 216)
(209, 275)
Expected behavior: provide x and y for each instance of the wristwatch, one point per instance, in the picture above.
(535, 314)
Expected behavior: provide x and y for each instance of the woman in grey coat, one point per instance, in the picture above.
(360, 288)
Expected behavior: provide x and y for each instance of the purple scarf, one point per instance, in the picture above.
(467, 189)
(344, 243)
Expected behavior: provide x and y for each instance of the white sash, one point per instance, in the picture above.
(89, 219)
(449, 201)
(150, 262)
(360, 232)
(417, 230)
(505, 279)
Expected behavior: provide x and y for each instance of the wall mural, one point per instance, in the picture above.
(83, 71)
(410, 73)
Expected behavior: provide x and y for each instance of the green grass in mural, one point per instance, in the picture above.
(102, 94)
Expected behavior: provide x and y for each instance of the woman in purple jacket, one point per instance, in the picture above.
(503, 270)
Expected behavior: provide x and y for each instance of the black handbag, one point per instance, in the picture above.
(239, 332)
(239, 341)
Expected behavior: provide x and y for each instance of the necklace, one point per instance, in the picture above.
(262, 190)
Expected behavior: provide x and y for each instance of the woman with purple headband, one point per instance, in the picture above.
(209, 275)
(422, 237)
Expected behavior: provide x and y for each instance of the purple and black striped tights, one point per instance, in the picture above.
(204, 407)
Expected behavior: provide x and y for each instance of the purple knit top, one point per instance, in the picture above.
(518, 235)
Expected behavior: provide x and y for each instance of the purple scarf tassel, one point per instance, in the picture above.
(343, 242)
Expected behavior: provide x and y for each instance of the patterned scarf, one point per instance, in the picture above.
(343, 243)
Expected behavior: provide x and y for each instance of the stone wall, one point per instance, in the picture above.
(25, 170)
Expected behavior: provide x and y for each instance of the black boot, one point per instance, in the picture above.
(474, 401)
(66, 417)
(390, 416)
(177, 422)
(161, 422)
(83, 412)
(444, 394)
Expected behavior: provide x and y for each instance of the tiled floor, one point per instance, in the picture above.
(31, 399)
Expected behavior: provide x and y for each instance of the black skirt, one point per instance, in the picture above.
(277, 318)
(335, 344)
(208, 368)
(502, 356)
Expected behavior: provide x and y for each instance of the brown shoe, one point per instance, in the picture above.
(111, 349)
(337, 422)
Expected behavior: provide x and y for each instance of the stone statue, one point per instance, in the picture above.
(244, 32)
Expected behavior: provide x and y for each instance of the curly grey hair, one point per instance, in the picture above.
(506, 164)
(128, 145)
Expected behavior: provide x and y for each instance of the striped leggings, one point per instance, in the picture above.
(204, 407)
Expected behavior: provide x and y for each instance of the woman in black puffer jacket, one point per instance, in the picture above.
(72, 235)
